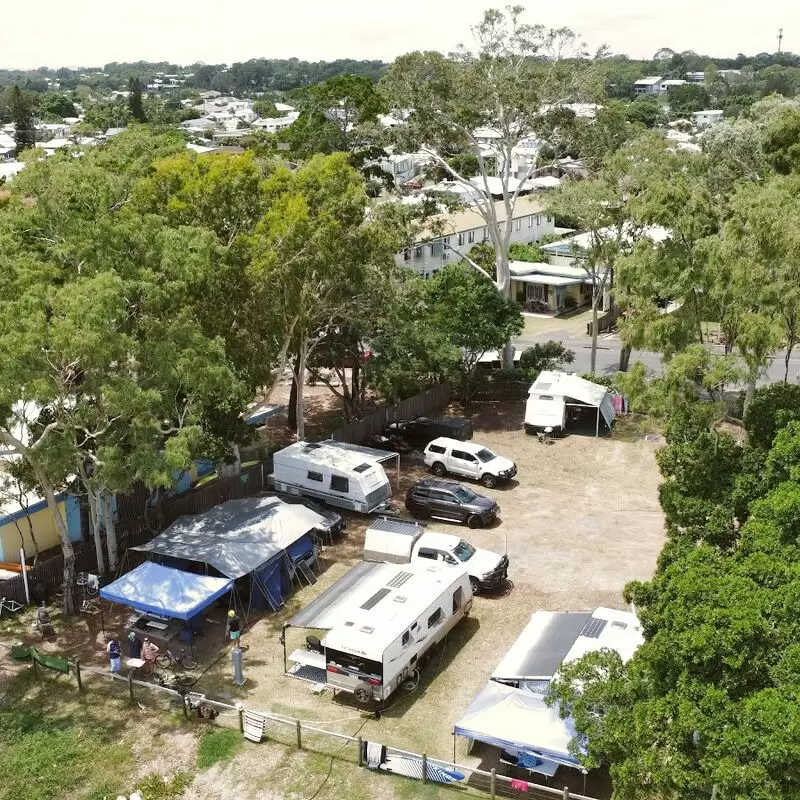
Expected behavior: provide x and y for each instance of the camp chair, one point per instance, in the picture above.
(9, 605)
(313, 643)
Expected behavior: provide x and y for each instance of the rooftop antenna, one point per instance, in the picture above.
(780, 38)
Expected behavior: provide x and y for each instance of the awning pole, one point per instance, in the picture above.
(283, 642)
(397, 470)
(597, 427)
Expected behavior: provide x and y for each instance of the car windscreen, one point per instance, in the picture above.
(486, 455)
(463, 551)
(465, 495)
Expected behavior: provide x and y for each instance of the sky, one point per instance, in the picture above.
(95, 32)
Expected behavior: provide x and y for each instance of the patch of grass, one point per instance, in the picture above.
(220, 744)
(47, 751)
(154, 787)
(634, 427)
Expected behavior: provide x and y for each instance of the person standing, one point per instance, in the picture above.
(149, 653)
(233, 627)
(114, 651)
(134, 646)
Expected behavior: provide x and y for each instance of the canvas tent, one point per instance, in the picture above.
(260, 537)
(553, 392)
(165, 591)
(519, 722)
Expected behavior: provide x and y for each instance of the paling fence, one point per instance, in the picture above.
(289, 732)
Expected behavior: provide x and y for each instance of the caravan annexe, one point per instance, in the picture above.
(381, 624)
(340, 477)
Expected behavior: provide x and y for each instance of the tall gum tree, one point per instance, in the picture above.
(515, 72)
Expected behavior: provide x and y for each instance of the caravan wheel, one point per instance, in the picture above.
(363, 695)
(411, 683)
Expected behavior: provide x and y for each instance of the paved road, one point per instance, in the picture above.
(608, 348)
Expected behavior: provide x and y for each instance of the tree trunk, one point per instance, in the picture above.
(70, 606)
(625, 357)
(750, 391)
(94, 524)
(291, 413)
(300, 381)
(107, 505)
(786, 359)
(503, 283)
(230, 469)
(595, 300)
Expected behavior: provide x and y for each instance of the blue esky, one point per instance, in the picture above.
(93, 32)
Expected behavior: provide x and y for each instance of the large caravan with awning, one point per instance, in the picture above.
(325, 470)
(381, 624)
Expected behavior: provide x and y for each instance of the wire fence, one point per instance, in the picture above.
(266, 726)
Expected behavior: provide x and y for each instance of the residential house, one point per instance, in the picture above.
(700, 77)
(708, 117)
(462, 230)
(403, 167)
(565, 282)
(671, 83)
(275, 124)
(648, 85)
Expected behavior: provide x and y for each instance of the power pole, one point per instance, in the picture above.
(780, 38)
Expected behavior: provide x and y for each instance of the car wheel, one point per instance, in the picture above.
(363, 695)
(476, 587)
(419, 512)
(489, 481)
(438, 469)
(474, 521)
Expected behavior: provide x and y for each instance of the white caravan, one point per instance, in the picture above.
(553, 392)
(381, 626)
(401, 542)
(339, 477)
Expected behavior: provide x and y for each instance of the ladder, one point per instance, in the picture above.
(306, 572)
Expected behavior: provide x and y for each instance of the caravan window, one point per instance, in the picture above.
(340, 484)
(425, 552)
(350, 664)
(435, 618)
(315, 476)
(545, 397)
(406, 638)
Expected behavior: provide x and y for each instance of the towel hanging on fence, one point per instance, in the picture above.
(374, 754)
(519, 785)
(254, 725)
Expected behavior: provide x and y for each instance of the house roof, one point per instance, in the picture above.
(469, 219)
(650, 80)
(583, 241)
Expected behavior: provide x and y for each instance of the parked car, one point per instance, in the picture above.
(422, 430)
(450, 501)
(469, 459)
(334, 523)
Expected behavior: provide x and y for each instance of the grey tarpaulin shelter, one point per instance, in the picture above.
(381, 456)
(260, 537)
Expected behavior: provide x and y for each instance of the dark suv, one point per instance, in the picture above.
(422, 430)
(450, 501)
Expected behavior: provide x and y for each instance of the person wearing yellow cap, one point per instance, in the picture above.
(233, 626)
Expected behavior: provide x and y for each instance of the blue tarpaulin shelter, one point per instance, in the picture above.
(155, 589)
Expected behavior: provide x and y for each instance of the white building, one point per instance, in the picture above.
(648, 85)
(671, 83)
(708, 117)
(462, 230)
(403, 167)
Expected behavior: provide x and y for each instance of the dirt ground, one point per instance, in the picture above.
(581, 520)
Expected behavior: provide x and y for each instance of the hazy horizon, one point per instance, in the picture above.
(91, 33)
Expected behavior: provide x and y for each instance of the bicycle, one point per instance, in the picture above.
(177, 682)
(182, 659)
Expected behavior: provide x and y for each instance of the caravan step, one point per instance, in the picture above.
(306, 572)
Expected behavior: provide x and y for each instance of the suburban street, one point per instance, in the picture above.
(572, 332)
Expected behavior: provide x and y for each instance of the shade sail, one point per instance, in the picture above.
(517, 720)
(165, 591)
(237, 537)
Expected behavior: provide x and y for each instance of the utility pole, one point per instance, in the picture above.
(780, 38)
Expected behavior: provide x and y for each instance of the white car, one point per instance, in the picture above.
(469, 459)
